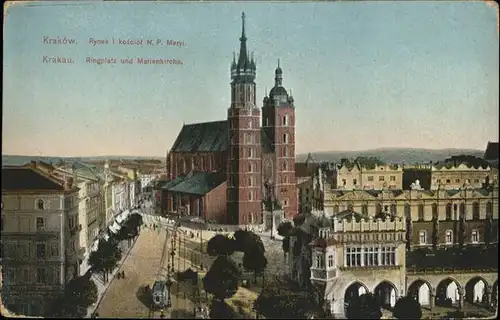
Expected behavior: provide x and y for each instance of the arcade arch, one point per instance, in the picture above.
(448, 288)
(354, 290)
(475, 290)
(421, 290)
(387, 293)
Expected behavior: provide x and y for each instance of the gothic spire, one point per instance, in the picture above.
(243, 58)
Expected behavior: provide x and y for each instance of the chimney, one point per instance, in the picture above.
(68, 183)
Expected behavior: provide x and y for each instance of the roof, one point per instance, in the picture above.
(202, 137)
(350, 214)
(491, 152)
(199, 183)
(25, 178)
(305, 169)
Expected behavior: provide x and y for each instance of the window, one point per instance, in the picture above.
(330, 261)
(364, 209)
(489, 209)
(285, 203)
(247, 138)
(388, 256)
(250, 196)
(457, 180)
(10, 276)
(250, 181)
(40, 205)
(250, 124)
(371, 258)
(438, 180)
(393, 209)
(54, 250)
(422, 237)
(285, 138)
(41, 251)
(353, 257)
(381, 178)
(421, 212)
(448, 211)
(41, 275)
(26, 275)
(435, 211)
(448, 180)
(462, 209)
(474, 236)
(320, 262)
(407, 211)
(285, 152)
(40, 223)
(393, 178)
(354, 181)
(449, 237)
(250, 152)
(250, 167)
(344, 182)
(475, 211)
(285, 121)
(370, 178)
(285, 166)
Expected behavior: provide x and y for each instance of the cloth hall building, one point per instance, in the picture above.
(223, 170)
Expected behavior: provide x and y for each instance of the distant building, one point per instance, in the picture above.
(304, 172)
(40, 238)
(368, 174)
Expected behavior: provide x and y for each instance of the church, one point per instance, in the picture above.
(222, 171)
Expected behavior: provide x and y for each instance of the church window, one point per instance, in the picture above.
(285, 121)
(247, 138)
(285, 152)
(250, 153)
(286, 138)
(285, 203)
(250, 167)
(285, 166)
(250, 196)
(320, 262)
(250, 181)
(250, 124)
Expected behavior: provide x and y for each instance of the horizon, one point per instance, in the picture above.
(298, 154)
(411, 75)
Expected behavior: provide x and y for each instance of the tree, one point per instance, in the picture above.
(298, 220)
(407, 308)
(220, 245)
(255, 261)
(106, 257)
(79, 295)
(247, 241)
(284, 228)
(283, 304)
(222, 279)
(366, 306)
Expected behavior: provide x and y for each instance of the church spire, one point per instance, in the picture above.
(243, 58)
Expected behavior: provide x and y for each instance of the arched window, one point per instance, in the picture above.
(40, 204)
(285, 166)
(489, 209)
(364, 209)
(285, 152)
(250, 181)
(250, 167)
(475, 211)
(448, 211)
(393, 209)
(286, 138)
(421, 212)
(435, 214)
(285, 121)
(407, 211)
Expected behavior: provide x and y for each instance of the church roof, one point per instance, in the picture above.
(199, 183)
(492, 151)
(202, 137)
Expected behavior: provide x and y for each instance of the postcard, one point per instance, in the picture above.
(224, 159)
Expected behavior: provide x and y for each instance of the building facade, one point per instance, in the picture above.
(254, 148)
(354, 175)
(40, 238)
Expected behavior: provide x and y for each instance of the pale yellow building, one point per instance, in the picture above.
(40, 238)
(452, 176)
(354, 176)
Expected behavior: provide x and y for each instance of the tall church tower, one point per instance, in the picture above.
(278, 123)
(244, 158)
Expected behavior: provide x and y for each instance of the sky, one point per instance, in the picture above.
(363, 75)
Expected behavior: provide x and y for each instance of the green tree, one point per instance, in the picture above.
(222, 278)
(220, 245)
(256, 262)
(366, 306)
(407, 308)
(276, 303)
(247, 241)
(106, 257)
(80, 294)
